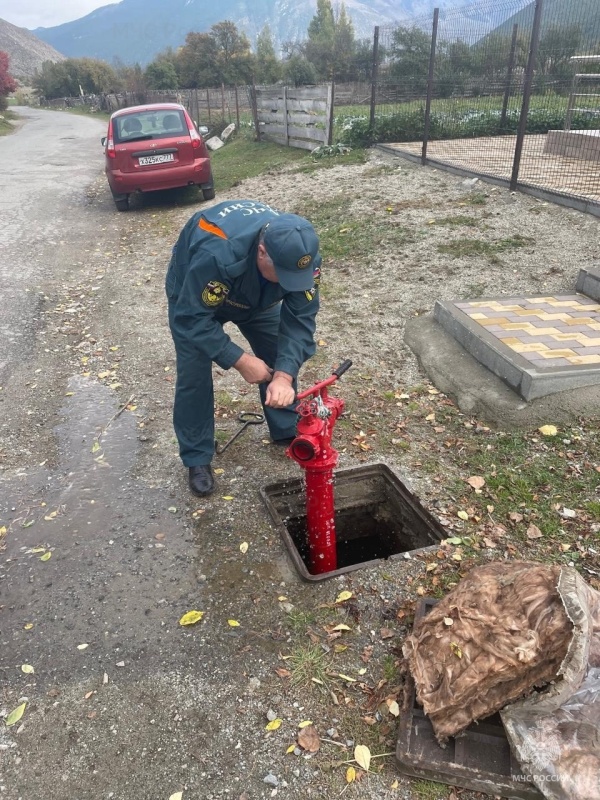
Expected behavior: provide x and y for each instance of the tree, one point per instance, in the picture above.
(409, 54)
(320, 46)
(7, 83)
(268, 67)
(299, 71)
(235, 62)
(344, 46)
(555, 50)
(161, 75)
(196, 62)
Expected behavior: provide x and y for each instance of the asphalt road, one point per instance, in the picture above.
(45, 168)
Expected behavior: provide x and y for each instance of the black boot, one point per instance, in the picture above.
(201, 480)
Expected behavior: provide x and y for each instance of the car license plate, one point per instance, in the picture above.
(159, 159)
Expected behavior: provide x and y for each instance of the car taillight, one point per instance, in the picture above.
(194, 135)
(110, 145)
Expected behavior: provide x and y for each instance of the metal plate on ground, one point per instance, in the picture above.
(480, 759)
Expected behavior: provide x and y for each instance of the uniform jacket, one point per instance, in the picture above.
(213, 278)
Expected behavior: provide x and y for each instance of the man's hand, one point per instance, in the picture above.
(253, 369)
(280, 392)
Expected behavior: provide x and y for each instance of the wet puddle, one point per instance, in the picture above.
(122, 566)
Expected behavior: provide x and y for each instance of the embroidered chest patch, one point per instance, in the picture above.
(214, 293)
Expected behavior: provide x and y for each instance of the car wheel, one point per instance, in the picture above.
(208, 194)
(122, 205)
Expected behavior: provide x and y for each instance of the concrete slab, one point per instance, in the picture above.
(477, 391)
(574, 144)
(588, 283)
(530, 342)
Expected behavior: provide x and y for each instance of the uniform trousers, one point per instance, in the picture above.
(193, 410)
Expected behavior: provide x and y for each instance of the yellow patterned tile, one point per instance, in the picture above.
(558, 353)
(534, 347)
(579, 321)
(538, 299)
(493, 321)
(519, 326)
(478, 316)
(591, 359)
(510, 341)
(548, 317)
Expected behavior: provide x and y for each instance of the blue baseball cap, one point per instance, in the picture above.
(293, 246)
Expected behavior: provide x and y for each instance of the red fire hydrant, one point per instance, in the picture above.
(312, 450)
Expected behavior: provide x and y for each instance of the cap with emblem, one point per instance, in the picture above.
(293, 246)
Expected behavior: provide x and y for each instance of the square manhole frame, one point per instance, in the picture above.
(293, 489)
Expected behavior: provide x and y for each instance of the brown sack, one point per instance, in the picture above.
(500, 633)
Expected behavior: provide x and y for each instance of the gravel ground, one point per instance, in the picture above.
(107, 318)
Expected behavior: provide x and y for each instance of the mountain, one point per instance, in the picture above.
(584, 14)
(136, 30)
(26, 52)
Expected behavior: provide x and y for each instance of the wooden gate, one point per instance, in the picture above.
(300, 117)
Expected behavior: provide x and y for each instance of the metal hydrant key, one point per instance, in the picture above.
(246, 418)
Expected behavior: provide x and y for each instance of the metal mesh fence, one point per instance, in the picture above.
(505, 88)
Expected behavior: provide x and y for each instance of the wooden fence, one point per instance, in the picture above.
(301, 117)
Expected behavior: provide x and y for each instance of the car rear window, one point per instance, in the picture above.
(148, 125)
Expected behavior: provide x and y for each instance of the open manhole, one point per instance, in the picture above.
(376, 518)
(479, 759)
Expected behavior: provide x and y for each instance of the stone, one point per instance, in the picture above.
(227, 132)
(214, 143)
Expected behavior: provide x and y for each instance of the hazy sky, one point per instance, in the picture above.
(46, 13)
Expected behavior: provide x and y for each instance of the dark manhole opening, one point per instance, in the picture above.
(376, 518)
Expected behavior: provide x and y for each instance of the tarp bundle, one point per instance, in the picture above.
(508, 628)
(502, 631)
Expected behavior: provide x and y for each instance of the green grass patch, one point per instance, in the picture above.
(459, 219)
(429, 790)
(5, 122)
(308, 663)
(243, 158)
(466, 248)
(536, 477)
(355, 156)
(344, 236)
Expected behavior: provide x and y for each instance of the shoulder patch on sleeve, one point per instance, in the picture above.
(214, 293)
(316, 281)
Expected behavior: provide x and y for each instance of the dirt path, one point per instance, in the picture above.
(150, 709)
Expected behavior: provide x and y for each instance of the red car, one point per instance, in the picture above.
(155, 147)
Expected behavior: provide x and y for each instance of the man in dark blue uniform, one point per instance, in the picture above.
(244, 262)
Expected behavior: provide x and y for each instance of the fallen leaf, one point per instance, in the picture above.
(341, 627)
(176, 796)
(350, 775)
(362, 754)
(191, 617)
(46, 557)
(15, 715)
(343, 596)
(95, 447)
(27, 669)
(244, 548)
(393, 707)
(454, 539)
(533, 532)
(448, 621)
(462, 515)
(456, 649)
(233, 623)
(476, 482)
(346, 678)
(82, 646)
(394, 785)
(219, 471)
(386, 633)
(28, 626)
(548, 430)
(88, 695)
(305, 724)
(290, 749)
(283, 673)
(308, 739)
(273, 725)
(227, 497)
